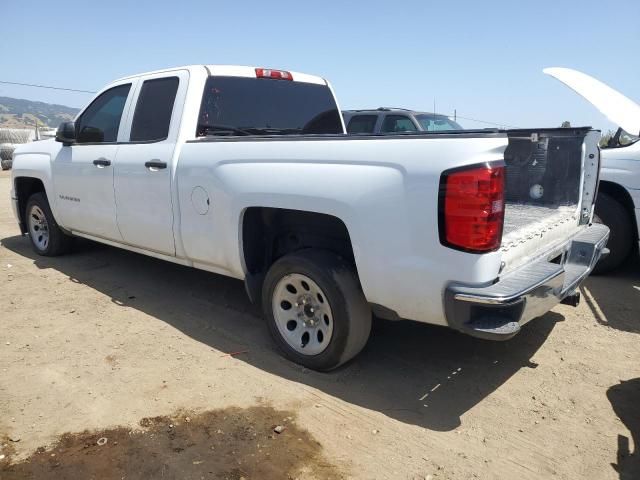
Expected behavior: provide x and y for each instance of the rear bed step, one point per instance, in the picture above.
(494, 328)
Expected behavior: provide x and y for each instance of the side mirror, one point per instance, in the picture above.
(66, 133)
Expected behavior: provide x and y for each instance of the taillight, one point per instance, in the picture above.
(277, 74)
(471, 208)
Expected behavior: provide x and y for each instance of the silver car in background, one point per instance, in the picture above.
(396, 120)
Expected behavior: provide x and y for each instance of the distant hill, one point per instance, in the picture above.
(19, 113)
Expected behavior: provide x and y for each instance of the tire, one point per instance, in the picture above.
(340, 312)
(47, 239)
(613, 214)
(5, 164)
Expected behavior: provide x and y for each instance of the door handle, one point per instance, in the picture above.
(155, 164)
(101, 162)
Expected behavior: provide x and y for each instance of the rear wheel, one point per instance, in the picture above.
(46, 237)
(315, 309)
(611, 213)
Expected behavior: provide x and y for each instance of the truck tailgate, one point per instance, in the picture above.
(551, 181)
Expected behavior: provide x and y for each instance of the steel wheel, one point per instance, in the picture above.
(302, 314)
(38, 228)
(315, 309)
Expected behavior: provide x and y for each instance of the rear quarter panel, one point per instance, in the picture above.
(385, 190)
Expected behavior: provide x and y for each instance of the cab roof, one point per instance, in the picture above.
(231, 71)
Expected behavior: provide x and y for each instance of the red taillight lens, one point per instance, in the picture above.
(277, 74)
(472, 208)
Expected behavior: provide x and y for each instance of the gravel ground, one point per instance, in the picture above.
(104, 343)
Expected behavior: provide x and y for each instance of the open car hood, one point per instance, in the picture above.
(616, 107)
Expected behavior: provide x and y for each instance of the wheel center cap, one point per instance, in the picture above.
(308, 310)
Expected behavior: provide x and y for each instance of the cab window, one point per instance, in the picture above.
(101, 120)
(239, 106)
(153, 110)
(620, 139)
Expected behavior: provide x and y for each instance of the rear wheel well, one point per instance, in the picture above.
(621, 195)
(270, 233)
(25, 187)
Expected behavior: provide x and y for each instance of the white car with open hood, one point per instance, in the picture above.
(618, 202)
(248, 172)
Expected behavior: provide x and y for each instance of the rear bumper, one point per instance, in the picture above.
(497, 311)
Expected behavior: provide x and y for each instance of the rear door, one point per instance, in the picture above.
(83, 172)
(144, 168)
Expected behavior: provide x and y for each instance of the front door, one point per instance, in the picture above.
(144, 167)
(83, 172)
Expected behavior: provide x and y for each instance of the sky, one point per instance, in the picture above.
(483, 59)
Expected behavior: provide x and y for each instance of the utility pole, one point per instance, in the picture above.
(455, 114)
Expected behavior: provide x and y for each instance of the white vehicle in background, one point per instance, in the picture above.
(618, 201)
(248, 172)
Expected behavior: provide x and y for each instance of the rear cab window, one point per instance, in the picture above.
(244, 106)
(362, 124)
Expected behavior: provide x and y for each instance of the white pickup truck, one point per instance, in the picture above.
(247, 172)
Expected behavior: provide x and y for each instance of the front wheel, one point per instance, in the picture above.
(46, 237)
(315, 309)
(613, 214)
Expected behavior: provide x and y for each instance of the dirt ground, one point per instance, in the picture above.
(107, 344)
(227, 444)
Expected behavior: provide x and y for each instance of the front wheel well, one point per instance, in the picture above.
(270, 233)
(24, 187)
